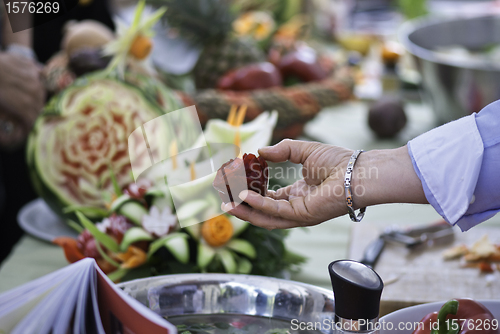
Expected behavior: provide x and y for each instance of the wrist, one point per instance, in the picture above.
(386, 176)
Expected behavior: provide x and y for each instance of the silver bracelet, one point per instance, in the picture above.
(348, 190)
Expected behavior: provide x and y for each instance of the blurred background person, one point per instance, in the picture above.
(22, 97)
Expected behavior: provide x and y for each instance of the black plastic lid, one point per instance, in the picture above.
(357, 289)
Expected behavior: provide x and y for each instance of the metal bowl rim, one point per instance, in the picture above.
(411, 26)
(225, 278)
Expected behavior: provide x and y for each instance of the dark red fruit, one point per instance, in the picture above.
(250, 77)
(305, 64)
(256, 176)
(257, 173)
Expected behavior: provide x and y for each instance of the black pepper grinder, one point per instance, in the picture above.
(357, 289)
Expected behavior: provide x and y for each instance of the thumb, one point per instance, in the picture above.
(295, 151)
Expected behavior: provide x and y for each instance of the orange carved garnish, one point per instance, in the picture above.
(70, 247)
(141, 47)
(217, 231)
(132, 258)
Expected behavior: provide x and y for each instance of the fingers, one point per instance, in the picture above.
(293, 150)
(25, 110)
(281, 193)
(258, 218)
(22, 94)
(279, 208)
(22, 68)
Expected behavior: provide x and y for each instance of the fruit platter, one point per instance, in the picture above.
(123, 161)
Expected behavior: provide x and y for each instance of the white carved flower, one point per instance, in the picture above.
(159, 222)
(103, 226)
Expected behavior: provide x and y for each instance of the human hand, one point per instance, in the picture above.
(310, 201)
(22, 97)
(379, 176)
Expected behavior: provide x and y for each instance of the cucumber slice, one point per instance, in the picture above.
(205, 255)
(213, 208)
(134, 211)
(157, 244)
(227, 259)
(179, 248)
(162, 202)
(242, 246)
(209, 213)
(194, 230)
(214, 201)
(238, 225)
(132, 235)
(155, 192)
(244, 266)
(186, 191)
(159, 190)
(117, 203)
(191, 209)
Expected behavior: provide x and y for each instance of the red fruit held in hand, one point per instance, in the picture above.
(257, 173)
(230, 177)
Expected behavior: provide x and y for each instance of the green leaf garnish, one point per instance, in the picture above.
(106, 256)
(101, 237)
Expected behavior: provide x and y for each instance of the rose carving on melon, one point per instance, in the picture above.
(83, 134)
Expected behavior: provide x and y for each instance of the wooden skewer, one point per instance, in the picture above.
(232, 114)
(173, 154)
(193, 172)
(241, 116)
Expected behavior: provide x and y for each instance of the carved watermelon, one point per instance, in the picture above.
(83, 132)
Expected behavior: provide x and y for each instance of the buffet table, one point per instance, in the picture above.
(344, 125)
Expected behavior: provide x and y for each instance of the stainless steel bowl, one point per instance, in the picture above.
(190, 294)
(456, 87)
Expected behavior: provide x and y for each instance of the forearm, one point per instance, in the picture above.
(386, 176)
(457, 164)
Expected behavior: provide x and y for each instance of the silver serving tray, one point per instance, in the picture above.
(189, 294)
(38, 220)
